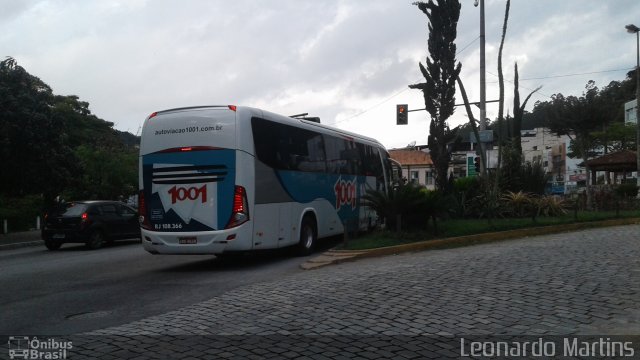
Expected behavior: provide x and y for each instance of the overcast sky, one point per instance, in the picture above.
(348, 62)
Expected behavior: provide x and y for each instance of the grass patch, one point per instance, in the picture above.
(463, 227)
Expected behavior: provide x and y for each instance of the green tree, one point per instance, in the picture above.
(52, 144)
(33, 151)
(578, 118)
(107, 173)
(617, 136)
(440, 73)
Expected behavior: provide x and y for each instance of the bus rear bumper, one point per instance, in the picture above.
(204, 243)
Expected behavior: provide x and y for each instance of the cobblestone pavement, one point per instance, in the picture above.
(411, 305)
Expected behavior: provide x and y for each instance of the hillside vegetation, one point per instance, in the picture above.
(52, 145)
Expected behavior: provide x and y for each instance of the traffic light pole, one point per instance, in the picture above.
(477, 103)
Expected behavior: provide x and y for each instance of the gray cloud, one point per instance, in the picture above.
(334, 58)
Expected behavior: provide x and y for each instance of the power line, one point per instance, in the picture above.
(399, 92)
(371, 108)
(469, 44)
(493, 82)
(558, 76)
(512, 82)
(576, 74)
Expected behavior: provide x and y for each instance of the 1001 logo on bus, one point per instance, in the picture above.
(190, 193)
(345, 193)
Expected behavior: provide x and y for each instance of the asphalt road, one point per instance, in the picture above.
(75, 290)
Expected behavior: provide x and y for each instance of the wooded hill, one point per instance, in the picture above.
(53, 145)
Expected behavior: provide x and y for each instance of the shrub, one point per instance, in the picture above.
(550, 205)
(406, 200)
(518, 204)
(627, 190)
(464, 190)
(528, 177)
(21, 213)
(413, 203)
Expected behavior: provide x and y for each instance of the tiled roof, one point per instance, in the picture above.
(620, 160)
(411, 157)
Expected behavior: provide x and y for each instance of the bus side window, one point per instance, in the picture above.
(286, 147)
(264, 134)
(372, 164)
(342, 156)
(305, 149)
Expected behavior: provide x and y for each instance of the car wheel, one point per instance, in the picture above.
(52, 244)
(95, 240)
(308, 236)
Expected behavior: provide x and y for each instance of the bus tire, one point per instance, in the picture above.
(308, 236)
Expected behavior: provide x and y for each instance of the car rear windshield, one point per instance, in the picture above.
(75, 210)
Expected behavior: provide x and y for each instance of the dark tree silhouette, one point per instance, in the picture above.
(440, 73)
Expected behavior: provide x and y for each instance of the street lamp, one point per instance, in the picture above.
(634, 29)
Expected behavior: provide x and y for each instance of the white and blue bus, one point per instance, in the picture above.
(225, 179)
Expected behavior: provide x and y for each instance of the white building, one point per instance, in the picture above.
(417, 166)
(630, 112)
(541, 145)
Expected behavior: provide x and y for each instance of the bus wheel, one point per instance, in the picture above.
(308, 236)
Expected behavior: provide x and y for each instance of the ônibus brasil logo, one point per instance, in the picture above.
(191, 193)
(345, 193)
(24, 347)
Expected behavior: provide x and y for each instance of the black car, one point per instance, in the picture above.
(90, 222)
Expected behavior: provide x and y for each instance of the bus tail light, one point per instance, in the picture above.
(142, 212)
(240, 211)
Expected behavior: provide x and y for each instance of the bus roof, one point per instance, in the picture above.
(281, 118)
(318, 126)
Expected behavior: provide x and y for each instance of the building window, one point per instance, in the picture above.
(414, 177)
(429, 178)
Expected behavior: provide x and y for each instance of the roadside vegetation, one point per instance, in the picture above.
(512, 195)
(52, 146)
(462, 227)
(412, 213)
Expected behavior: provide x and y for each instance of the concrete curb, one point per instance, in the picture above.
(21, 245)
(338, 256)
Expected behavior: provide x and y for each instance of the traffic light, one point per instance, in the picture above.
(476, 164)
(402, 116)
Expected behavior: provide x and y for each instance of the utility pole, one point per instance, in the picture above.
(483, 80)
(638, 108)
(483, 86)
(634, 29)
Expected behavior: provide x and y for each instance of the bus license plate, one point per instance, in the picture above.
(188, 240)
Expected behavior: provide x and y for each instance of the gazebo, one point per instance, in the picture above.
(620, 161)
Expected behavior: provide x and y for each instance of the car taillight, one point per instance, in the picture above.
(142, 212)
(84, 216)
(240, 211)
